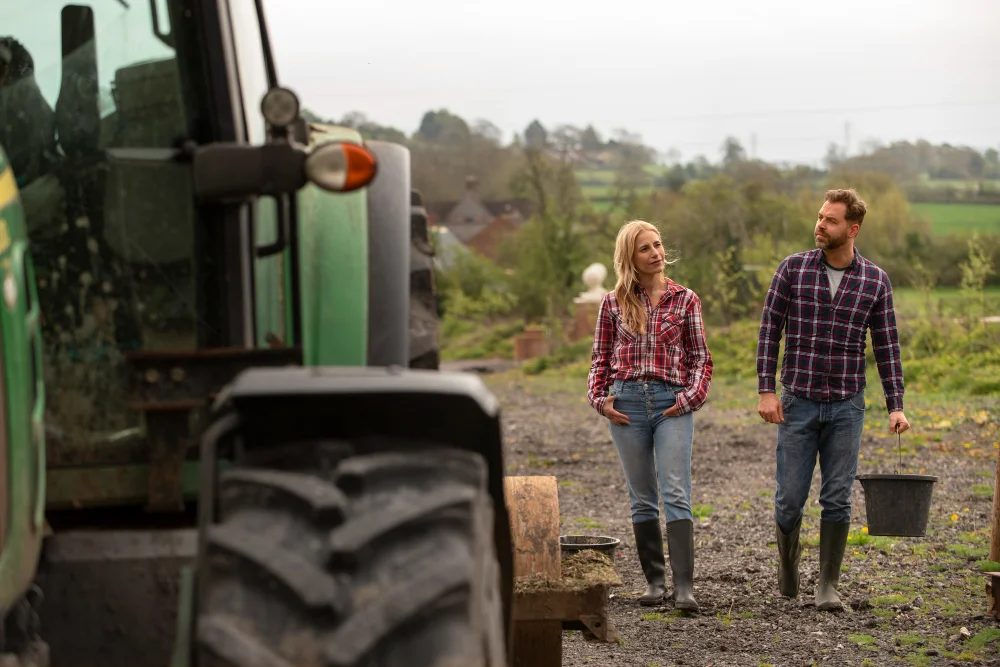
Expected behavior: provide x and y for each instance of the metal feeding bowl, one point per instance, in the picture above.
(571, 544)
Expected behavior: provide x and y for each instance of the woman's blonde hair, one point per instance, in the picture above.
(633, 313)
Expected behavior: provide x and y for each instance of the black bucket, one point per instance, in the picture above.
(897, 505)
(571, 544)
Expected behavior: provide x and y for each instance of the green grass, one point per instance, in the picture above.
(701, 511)
(461, 339)
(982, 490)
(990, 636)
(657, 617)
(952, 218)
(864, 641)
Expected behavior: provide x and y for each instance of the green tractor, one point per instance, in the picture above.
(224, 439)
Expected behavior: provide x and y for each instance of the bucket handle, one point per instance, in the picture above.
(899, 452)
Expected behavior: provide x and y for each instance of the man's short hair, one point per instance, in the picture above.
(856, 208)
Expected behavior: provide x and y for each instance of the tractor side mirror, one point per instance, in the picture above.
(230, 172)
(226, 173)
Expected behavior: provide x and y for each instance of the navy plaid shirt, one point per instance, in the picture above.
(824, 356)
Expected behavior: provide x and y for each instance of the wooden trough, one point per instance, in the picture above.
(551, 594)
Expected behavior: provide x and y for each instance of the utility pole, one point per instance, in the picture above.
(847, 138)
(753, 146)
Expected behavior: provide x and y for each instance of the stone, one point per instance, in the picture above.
(593, 277)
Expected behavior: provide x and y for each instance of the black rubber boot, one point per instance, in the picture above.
(789, 551)
(680, 543)
(649, 545)
(832, 541)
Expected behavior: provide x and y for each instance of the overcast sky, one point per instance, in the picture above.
(681, 74)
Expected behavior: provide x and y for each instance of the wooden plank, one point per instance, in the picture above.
(993, 594)
(533, 505)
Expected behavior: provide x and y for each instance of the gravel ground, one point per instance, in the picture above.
(917, 601)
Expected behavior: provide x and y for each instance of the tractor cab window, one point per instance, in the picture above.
(84, 88)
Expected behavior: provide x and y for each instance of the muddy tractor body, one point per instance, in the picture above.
(224, 438)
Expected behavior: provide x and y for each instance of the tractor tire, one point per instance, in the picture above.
(424, 346)
(383, 559)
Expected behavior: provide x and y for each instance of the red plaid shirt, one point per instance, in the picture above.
(673, 350)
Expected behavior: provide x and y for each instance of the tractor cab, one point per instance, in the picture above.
(147, 169)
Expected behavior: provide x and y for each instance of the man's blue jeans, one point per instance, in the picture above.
(653, 447)
(833, 432)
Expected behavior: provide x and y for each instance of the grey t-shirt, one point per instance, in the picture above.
(835, 276)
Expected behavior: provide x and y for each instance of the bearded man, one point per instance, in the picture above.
(825, 300)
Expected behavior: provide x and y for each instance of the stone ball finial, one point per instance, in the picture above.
(593, 278)
(594, 275)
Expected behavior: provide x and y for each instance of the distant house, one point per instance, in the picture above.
(479, 226)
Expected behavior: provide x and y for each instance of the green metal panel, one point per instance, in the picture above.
(333, 256)
(269, 277)
(25, 398)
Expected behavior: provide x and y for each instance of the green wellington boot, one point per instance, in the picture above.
(649, 545)
(680, 545)
(789, 551)
(832, 542)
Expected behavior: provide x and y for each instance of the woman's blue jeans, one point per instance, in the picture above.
(653, 448)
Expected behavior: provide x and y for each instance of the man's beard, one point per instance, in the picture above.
(831, 242)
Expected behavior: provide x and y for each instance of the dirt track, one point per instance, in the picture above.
(909, 597)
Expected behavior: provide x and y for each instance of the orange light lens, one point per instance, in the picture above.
(360, 166)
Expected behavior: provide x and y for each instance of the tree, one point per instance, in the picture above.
(590, 140)
(732, 152)
(976, 269)
(834, 156)
(672, 157)
(443, 127)
(487, 130)
(567, 139)
(548, 252)
(535, 135)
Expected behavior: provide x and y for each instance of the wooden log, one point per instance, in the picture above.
(533, 506)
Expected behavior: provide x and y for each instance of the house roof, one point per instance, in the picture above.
(468, 216)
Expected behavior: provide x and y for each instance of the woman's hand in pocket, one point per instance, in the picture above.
(612, 414)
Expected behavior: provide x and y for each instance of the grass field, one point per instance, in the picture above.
(910, 303)
(959, 218)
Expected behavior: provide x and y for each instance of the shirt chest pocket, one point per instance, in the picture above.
(856, 308)
(671, 329)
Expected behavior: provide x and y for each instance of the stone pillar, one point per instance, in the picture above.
(585, 321)
(530, 344)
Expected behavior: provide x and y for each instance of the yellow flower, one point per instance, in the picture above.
(954, 517)
(966, 509)
(865, 529)
(966, 445)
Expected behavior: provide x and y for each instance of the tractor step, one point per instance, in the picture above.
(111, 596)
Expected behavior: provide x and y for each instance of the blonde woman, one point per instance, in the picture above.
(650, 370)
